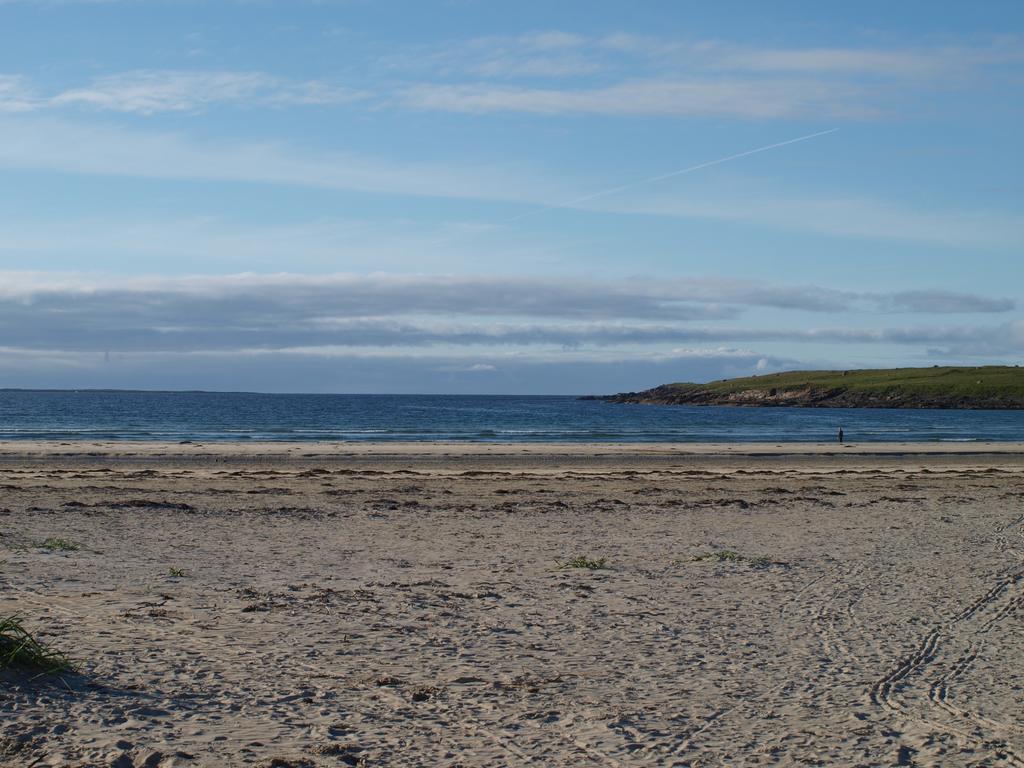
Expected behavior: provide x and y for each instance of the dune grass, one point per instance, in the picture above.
(21, 651)
(732, 556)
(720, 556)
(580, 561)
(54, 544)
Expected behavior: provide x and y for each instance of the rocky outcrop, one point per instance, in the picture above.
(811, 397)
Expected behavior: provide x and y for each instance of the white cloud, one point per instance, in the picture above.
(623, 74)
(903, 62)
(380, 293)
(356, 370)
(725, 97)
(72, 147)
(626, 74)
(389, 332)
(621, 52)
(47, 144)
(334, 314)
(16, 95)
(147, 92)
(892, 64)
(542, 54)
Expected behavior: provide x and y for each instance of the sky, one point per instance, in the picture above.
(466, 196)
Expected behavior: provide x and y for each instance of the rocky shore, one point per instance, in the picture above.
(979, 388)
(670, 394)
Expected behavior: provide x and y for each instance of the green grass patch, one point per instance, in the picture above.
(20, 651)
(590, 564)
(720, 556)
(993, 381)
(58, 545)
(732, 556)
(177, 573)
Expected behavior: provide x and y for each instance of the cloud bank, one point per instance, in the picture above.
(335, 314)
(556, 72)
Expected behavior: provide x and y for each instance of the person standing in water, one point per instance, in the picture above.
(840, 434)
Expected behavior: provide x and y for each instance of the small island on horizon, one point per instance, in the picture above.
(993, 387)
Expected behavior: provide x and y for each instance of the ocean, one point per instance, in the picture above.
(178, 416)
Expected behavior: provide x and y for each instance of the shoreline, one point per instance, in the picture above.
(441, 458)
(15, 449)
(921, 446)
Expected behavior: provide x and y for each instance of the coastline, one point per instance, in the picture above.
(932, 388)
(306, 450)
(455, 458)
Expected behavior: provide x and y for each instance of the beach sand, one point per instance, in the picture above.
(411, 604)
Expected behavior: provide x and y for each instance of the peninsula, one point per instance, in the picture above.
(987, 387)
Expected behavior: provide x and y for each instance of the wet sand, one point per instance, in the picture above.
(411, 604)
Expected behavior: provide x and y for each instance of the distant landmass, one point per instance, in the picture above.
(988, 387)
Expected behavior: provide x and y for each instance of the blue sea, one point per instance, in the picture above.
(177, 416)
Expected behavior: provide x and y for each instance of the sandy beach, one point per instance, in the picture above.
(285, 604)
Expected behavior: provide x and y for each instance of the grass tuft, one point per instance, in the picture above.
(20, 651)
(59, 545)
(720, 556)
(176, 572)
(584, 562)
(732, 556)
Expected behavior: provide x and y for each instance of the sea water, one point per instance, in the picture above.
(178, 416)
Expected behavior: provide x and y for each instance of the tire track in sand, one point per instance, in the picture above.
(975, 623)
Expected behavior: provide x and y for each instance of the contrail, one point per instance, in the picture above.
(662, 177)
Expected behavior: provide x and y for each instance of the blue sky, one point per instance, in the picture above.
(403, 196)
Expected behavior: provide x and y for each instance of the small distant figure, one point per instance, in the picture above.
(840, 434)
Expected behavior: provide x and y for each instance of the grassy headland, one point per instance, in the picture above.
(996, 387)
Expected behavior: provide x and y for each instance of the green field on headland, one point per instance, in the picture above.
(997, 387)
